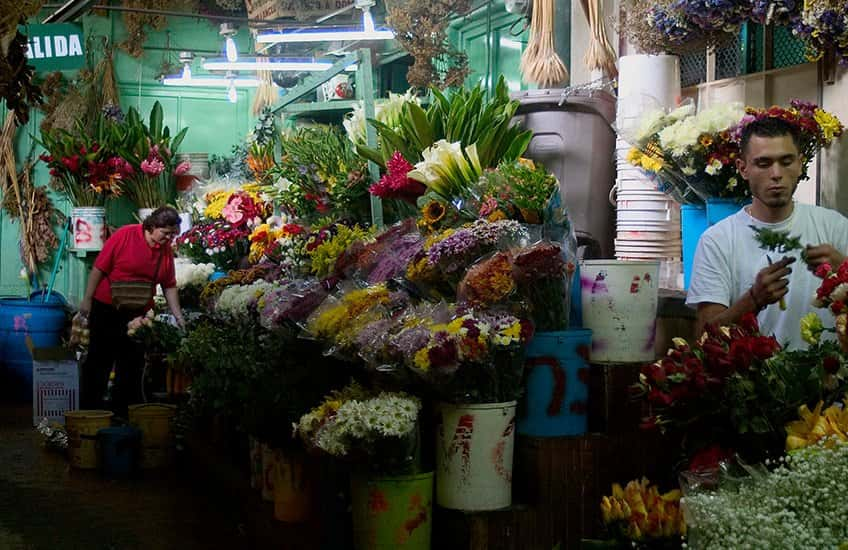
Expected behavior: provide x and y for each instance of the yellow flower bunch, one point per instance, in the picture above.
(830, 126)
(811, 328)
(647, 162)
(643, 512)
(324, 256)
(261, 238)
(832, 423)
(217, 200)
(340, 323)
(508, 335)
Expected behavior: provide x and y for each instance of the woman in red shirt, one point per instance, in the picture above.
(136, 252)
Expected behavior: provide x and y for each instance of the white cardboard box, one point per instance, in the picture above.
(55, 384)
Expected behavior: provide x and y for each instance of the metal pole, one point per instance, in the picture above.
(365, 92)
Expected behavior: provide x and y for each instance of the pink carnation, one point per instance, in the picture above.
(232, 211)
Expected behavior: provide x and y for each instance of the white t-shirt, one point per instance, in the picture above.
(728, 259)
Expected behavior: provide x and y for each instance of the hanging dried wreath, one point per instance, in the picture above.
(677, 26)
(421, 28)
(138, 23)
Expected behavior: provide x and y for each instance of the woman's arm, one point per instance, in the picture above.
(173, 299)
(94, 279)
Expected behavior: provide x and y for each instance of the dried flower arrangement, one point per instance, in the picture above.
(421, 28)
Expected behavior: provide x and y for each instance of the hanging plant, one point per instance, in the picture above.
(823, 26)
(16, 76)
(138, 23)
(421, 28)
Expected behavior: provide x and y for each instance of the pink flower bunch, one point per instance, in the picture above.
(243, 210)
(182, 168)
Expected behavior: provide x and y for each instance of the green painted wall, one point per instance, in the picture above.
(214, 126)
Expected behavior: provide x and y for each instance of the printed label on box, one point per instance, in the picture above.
(55, 390)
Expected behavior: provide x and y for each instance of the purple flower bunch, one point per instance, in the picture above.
(823, 25)
(713, 16)
(776, 12)
(465, 245)
(293, 302)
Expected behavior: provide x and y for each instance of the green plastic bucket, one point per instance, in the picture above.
(393, 512)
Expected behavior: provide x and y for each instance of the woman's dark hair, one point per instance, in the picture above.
(164, 216)
(770, 127)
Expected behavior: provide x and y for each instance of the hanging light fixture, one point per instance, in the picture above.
(270, 64)
(228, 31)
(186, 58)
(232, 95)
(328, 34)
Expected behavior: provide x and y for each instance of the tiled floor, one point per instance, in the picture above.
(44, 504)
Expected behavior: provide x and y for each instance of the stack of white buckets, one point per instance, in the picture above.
(647, 220)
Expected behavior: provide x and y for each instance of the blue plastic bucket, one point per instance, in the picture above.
(718, 209)
(19, 318)
(554, 403)
(118, 451)
(693, 222)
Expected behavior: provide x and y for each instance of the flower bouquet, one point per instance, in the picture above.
(543, 278)
(817, 127)
(84, 169)
(216, 242)
(519, 190)
(823, 26)
(692, 155)
(471, 358)
(381, 430)
(640, 517)
(151, 150)
(191, 278)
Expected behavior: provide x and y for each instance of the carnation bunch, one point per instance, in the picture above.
(238, 303)
(215, 242)
(543, 278)
(338, 321)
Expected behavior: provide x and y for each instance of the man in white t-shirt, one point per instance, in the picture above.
(732, 275)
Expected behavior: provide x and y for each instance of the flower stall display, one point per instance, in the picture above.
(799, 504)
(639, 516)
(823, 26)
(216, 242)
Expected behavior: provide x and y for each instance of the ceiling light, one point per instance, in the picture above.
(329, 34)
(211, 81)
(230, 48)
(270, 64)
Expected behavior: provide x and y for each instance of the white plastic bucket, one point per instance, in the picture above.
(641, 216)
(474, 445)
(643, 235)
(620, 307)
(89, 227)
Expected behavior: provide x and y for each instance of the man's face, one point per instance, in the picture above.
(771, 166)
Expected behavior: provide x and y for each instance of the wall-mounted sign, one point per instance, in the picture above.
(54, 46)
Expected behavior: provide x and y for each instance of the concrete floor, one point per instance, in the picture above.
(44, 504)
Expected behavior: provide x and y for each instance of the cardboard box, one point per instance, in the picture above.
(55, 383)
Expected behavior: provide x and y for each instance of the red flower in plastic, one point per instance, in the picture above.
(709, 458)
(830, 364)
(395, 184)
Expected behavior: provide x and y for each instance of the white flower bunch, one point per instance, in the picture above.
(387, 111)
(236, 302)
(361, 423)
(656, 120)
(801, 504)
(191, 274)
(683, 134)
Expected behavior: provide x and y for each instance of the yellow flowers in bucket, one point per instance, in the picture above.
(640, 512)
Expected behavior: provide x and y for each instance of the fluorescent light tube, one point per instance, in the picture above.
(210, 81)
(324, 35)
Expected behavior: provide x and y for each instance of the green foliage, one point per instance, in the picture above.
(776, 241)
(464, 116)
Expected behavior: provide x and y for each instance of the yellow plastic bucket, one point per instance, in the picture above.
(157, 440)
(82, 429)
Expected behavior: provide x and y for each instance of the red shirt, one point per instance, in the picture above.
(126, 256)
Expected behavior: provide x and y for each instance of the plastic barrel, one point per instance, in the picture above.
(554, 403)
(82, 427)
(392, 512)
(19, 318)
(118, 450)
(620, 307)
(474, 445)
(157, 440)
(693, 222)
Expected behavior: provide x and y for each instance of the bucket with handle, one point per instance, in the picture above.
(157, 439)
(82, 428)
(89, 227)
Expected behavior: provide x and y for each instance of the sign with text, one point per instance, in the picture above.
(54, 46)
(267, 10)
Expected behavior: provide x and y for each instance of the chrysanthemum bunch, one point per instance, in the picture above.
(192, 274)
(238, 302)
(801, 504)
